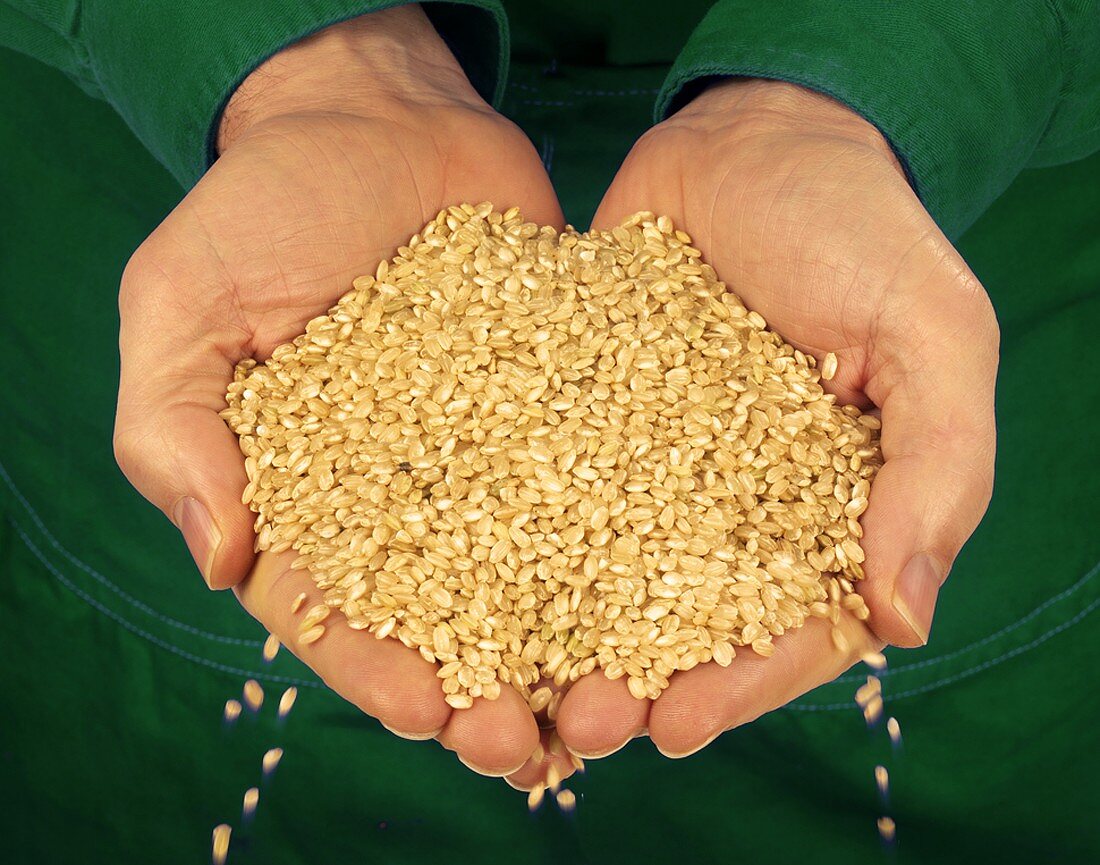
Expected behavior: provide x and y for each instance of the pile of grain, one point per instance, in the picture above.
(529, 454)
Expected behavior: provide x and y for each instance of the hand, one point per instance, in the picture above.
(803, 210)
(332, 154)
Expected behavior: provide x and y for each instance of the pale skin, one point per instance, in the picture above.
(334, 151)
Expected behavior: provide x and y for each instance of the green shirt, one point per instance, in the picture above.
(968, 93)
(118, 661)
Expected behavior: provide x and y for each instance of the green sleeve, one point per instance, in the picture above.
(968, 92)
(169, 66)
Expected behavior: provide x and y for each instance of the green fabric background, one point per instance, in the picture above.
(118, 662)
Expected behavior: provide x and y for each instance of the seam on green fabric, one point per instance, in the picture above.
(488, 6)
(1063, 74)
(1010, 653)
(80, 50)
(76, 21)
(984, 641)
(79, 53)
(963, 674)
(547, 103)
(260, 675)
(647, 91)
(108, 584)
(152, 638)
(677, 79)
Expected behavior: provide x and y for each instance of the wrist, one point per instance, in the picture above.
(363, 66)
(765, 106)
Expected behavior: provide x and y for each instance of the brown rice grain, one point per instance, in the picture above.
(535, 454)
(271, 648)
(271, 760)
(253, 695)
(220, 844)
(286, 702)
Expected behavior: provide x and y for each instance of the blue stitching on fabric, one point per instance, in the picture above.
(964, 674)
(156, 641)
(794, 707)
(928, 662)
(528, 88)
(100, 578)
(647, 91)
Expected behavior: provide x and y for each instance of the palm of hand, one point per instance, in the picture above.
(823, 236)
(271, 237)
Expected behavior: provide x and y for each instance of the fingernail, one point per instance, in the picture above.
(412, 737)
(680, 756)
(599, 755)
(915, 593)
(200, 532)
(486, 772)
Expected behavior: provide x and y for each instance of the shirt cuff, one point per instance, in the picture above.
(962, 91)
(169, 66)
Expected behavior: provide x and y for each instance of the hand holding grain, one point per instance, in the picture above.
(803, 211)
(330, 151)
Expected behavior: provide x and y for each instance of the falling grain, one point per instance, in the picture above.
(556, 745)
(271, 648)
(875, 660)
(251, 799)
(253, 695)
(872, 710)
(886, 828)
(220, 850)
(567, 800)
(868, 691)
(286, 702)
(534, 798)
(271, 760)
(232, 710)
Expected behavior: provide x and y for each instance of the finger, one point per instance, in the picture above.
(938, 440)
(169, 441)
(631, 191)
(550, 752)
(534, 195)
(384, 678)
(492, 737)
(599, 716)
(702, 703)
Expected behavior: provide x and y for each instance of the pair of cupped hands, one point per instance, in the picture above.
(333, 152)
